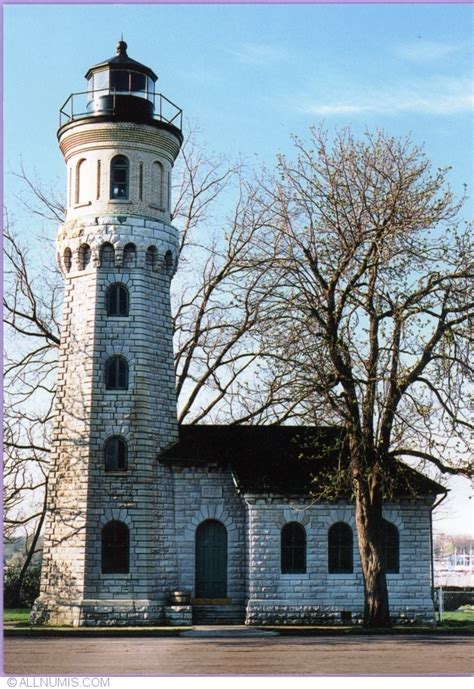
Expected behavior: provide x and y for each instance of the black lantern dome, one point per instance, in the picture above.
(122, 86)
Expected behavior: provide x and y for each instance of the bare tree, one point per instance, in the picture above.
(367, 308)
(216, 311)
(31, 302)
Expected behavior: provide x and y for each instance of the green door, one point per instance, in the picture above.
(211, 560)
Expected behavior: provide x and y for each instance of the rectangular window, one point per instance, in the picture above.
(137, 82)
(120, 80)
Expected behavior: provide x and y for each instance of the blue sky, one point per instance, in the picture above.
(251, 75)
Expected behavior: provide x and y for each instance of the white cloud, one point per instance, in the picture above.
(259, 54)
(426, 51)
(440, 96)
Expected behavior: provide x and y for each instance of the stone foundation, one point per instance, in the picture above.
(263, 613)
(178, 615)
(97, 613)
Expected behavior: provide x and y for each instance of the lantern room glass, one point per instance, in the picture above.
(122, 81)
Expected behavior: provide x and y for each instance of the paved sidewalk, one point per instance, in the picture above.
(223, 631)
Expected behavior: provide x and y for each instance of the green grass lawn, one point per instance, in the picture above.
(16, 615)
(457, 617)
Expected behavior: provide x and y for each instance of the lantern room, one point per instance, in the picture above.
(121, 85)
(121, 90)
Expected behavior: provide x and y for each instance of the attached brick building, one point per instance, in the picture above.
(140, 509)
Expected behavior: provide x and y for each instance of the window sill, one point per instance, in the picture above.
(120, 201)
(117, 472)
(82, 205)
(115, 576)
(300, 575)
(157, 208)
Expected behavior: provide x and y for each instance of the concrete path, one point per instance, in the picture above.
(223, 632)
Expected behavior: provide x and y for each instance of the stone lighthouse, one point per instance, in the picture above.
(108, 551)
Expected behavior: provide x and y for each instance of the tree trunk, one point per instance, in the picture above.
(32, 546)
(369, 533)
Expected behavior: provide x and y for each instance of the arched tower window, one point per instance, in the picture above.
(293, 548)
(107, 255)
(115, 454)
(81, 182)
(115, 548)
(84, 256)
(151, 257)
(340, 558)
(67, 260)
(117, 300)
(129, 256)
(119, 177)
(390, 547)
(116, 373)
(169, 262)
(158, 179)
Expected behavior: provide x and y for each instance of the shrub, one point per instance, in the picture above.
(15, 597)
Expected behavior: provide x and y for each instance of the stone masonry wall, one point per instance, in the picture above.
(66, 518)
(209, 493)
(317, 595)
(144, 415)
(94, 145)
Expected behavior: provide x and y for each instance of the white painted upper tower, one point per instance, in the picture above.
(108, 505)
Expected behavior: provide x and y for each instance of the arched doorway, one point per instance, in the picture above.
(211, 560)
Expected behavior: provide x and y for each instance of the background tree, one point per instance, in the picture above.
(31, 305)
(366, 303)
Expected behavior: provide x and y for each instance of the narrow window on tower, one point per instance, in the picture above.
(70, 187)
(84, 256)
(169, 262)
(116, 373)
(157, 182)
(98, 180)
(140, 182)
(107, 255)
(67, 260)
(119, 177)
(293, 549)
(115, 454)
(80, 181)
(151, 257)
(115, 556)
(117, 300)
(129, 255)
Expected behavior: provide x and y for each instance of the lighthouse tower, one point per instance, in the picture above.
(107, 557)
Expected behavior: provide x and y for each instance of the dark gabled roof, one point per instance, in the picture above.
(289, 460)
